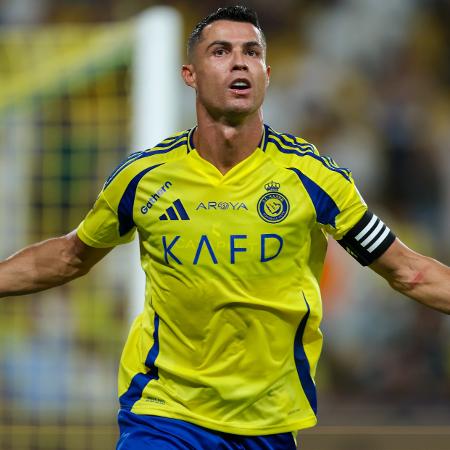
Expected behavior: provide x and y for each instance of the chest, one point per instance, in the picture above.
(191, 217)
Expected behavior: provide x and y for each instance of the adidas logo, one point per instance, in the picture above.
(171, 212)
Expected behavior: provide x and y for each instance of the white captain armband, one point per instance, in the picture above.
(368, 239)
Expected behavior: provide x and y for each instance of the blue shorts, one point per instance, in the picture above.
(142, 432)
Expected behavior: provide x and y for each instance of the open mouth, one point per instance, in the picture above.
(240, 85)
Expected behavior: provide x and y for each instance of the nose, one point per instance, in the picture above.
(239, 62)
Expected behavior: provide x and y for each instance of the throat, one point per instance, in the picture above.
(226, 147)
(224, 163)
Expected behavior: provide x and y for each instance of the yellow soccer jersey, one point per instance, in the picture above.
(229, 335)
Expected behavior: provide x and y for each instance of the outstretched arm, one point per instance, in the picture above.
(47, 264)
(419, 277)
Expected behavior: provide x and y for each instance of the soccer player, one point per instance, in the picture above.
(232, 219)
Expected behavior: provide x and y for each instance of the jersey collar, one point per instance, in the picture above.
(190, 140)
(262, 144)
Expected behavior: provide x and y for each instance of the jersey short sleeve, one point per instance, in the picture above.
(341, 210)
(337, 202)
(109, 222)
(100, 228)
(350, 207)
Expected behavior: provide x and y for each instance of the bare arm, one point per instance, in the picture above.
(419, 277)
(47, 264)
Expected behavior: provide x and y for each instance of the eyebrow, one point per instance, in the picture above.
(229, 44)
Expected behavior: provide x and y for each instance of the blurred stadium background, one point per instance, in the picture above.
(367, 81)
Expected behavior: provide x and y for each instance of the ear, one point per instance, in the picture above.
(188, 74)
(268, 71)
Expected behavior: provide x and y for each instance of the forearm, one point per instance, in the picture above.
(430, 285)
(419, 277)
(40, 266)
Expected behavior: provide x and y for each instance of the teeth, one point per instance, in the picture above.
(240, 84)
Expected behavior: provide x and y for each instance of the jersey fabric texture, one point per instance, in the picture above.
(229, 335)
(139, 432)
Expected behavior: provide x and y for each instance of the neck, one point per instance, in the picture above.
(223, 143)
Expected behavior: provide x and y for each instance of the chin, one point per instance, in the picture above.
(234, 111)
(241, 109)
(238, 115)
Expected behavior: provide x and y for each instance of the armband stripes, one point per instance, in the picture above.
(368, 239)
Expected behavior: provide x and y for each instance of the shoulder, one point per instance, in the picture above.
(139, 163)
(301, 156)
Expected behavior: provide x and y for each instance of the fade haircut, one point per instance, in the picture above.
(236, 13)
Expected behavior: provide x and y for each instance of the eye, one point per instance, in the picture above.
(253, 52)
(219, 51)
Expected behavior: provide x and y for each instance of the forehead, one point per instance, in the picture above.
(230, 31)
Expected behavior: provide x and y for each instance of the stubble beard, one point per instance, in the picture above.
(229, 111)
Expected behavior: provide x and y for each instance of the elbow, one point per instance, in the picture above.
(78, 258)
(72, 264)
(73, 272)
(419, 277)
(72, 268)
(408, 283)
(425, 285)
(413, 278)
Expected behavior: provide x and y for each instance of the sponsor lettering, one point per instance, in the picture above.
(233, 206)
(155, 197)
(270, 247)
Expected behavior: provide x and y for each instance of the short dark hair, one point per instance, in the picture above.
(236, 13)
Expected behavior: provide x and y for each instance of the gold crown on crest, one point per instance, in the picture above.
(272, 186)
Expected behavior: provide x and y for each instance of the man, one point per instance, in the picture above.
(231, 217)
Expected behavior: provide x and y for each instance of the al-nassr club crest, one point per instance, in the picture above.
(273, 206)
